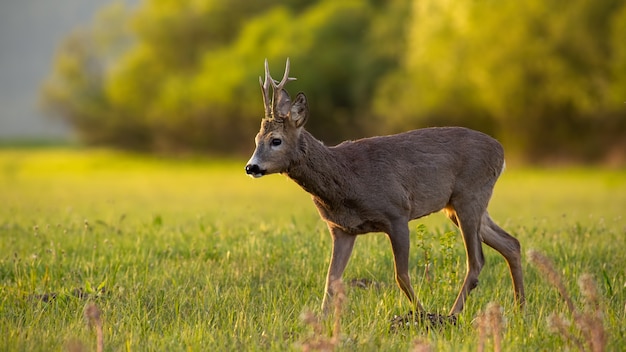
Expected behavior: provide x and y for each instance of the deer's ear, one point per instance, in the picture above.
(283, 104)
(299, 111)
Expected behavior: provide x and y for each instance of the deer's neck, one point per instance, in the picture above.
(319, 171)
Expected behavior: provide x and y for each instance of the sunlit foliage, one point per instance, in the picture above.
(546, 77)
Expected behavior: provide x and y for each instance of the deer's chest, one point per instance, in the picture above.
(351, 218)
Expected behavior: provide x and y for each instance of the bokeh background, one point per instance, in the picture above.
(546, 77)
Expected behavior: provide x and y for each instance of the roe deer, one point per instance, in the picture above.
(379, 184)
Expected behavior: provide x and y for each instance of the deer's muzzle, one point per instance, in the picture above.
(254, 170)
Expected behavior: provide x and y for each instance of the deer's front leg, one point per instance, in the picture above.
(342, 249)
(400, 244)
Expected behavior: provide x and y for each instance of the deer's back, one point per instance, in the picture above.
(448, 149)
(421, 170)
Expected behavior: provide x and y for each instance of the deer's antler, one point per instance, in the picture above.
(265, 89)
(277, 87)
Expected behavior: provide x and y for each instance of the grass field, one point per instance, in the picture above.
(193, 255)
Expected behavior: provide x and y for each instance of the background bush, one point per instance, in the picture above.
(548, 78)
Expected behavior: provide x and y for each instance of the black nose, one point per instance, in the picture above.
(253, 169)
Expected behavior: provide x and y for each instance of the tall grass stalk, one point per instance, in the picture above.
(588, 323)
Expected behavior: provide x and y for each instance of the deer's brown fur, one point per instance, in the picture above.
(379, 184)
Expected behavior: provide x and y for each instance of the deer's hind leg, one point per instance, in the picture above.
(507, 245)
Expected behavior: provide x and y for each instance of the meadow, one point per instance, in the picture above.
(191, 255)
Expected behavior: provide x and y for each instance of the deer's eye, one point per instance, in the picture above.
(276, 142)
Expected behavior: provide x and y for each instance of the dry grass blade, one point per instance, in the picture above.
(545, 265)
(587, 323)
(490, 323)
(92, 314)
(422, 345)
(590, 320)
(562, 326)
(319, 342)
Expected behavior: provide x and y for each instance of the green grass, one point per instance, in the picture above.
(193, 255)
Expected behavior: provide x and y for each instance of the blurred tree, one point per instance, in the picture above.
(188, 81)
(75, 89)
(545, 76)
(541, 74)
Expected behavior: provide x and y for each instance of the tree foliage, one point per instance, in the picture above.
(547, 77)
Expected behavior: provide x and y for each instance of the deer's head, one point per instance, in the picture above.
(277, 141)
